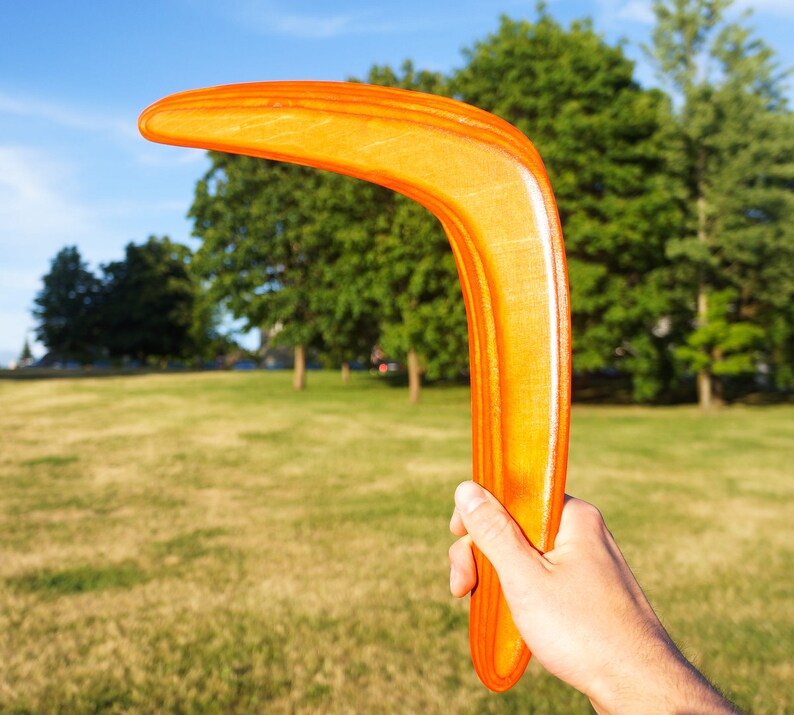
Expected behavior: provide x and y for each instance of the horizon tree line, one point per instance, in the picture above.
(676, 208)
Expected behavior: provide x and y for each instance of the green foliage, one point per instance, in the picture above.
(724, 346)
(732, 153)
(417, 281)
(206, 337)
(678, 215)
(148, 301)
(277, 251)
(602, 138)
(667, 205)
(149, 306)
(336, 264)
(66, 307)
(344, 299)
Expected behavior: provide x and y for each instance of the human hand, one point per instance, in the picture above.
(579, 608)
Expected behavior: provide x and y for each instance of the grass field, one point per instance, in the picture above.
(219, 544)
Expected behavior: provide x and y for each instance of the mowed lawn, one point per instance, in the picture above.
(216, 543)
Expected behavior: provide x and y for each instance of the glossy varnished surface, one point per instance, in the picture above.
(486, 183)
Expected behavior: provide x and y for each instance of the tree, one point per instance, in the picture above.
(207, 338)
(148, 301)
(423, 315)
(66, 307)
(26, 356)
(602, 138)
(333, 261)
(262, 246)
(344, 298)
(422, 310)
(337, 264)
(733, 152)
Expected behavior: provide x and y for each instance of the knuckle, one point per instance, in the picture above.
(593, 514)
(590, 522)
(589, 514)
(458, 549)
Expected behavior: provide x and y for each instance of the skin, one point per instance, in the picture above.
(580, 609)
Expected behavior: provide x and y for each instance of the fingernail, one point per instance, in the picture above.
(469, 496)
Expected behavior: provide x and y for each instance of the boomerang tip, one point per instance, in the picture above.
(151, 124)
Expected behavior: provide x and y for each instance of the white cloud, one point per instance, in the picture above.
(781, 8)
(273, 18)
(283, 23)
(66, 116)
(614, 14)
(123, 131)
(156, 155)
(94, 123)
(637, 11)
(42, 209)
(33, 200)
(38, 216)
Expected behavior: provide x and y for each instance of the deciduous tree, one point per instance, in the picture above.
(423, 316)
(263, 244)
(344, 300)
(333, 261)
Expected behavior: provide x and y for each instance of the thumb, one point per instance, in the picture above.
(495, 533)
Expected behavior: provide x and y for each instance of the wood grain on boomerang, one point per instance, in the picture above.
(486, 183)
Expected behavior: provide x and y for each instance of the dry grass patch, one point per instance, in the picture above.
(219, 544)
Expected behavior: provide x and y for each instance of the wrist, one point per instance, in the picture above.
(657, 680)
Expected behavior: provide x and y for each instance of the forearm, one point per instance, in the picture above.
(661, 681)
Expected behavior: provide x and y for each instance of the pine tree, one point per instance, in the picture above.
(66, 307)
(26, 356)
(733, 152)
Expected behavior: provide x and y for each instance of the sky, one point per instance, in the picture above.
(75, 75)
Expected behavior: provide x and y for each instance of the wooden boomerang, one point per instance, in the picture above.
(486, 183)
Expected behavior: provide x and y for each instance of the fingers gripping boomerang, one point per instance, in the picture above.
(486, 184)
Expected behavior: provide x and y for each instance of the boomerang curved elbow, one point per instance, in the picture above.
(486, 183)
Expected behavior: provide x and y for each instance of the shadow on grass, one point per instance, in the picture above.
(80, 579)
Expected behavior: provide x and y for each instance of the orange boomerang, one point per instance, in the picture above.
(486, 183)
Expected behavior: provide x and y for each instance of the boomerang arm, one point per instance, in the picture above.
(487, 185)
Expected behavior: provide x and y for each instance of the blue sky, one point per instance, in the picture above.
(75, 74)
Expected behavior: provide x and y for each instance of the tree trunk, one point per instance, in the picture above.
(704, 389)
(345, 373)
(717, 386)
(704, 378)
(414, 377)
(299, 374)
